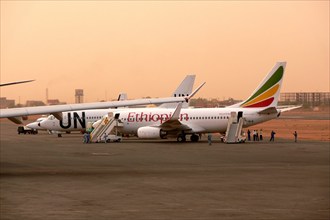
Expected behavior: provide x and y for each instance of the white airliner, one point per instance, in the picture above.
(261, 106)
(16, 114)
(36, 123)
(80, 119)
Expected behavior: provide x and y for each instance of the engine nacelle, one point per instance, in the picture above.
(151, 132)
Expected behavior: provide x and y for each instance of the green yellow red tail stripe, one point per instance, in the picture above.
(264, 96)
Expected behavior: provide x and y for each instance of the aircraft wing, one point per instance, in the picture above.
(173, 123)
(15, 114)
(55, 109)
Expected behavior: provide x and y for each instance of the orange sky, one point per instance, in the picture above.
(146, 48)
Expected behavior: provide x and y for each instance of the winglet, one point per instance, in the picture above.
(176, 113)
(194, 92)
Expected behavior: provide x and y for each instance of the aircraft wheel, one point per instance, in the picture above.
(194, 138)
(181, 138)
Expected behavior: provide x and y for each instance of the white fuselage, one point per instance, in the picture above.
(199, 120)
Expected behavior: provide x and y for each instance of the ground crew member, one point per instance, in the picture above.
(272, 136)
(209, 138)
(295, 134)
(105, 137)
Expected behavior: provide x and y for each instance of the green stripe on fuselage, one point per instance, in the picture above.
(277, 76)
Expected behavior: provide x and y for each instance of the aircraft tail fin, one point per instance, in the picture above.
(183, 90)
(268, 91)
(122, 97)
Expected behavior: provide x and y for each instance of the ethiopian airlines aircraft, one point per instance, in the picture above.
(261, 106)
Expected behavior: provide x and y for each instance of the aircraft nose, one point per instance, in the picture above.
(33, 125)
(43, 124)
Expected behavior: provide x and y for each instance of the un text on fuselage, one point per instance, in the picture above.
(75, 119)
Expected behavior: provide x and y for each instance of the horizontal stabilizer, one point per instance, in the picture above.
(270, 110)
(288, 108)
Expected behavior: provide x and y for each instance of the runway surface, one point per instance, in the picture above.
(45, 177)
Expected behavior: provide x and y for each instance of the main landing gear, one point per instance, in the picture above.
(182, 138)
(194, 138)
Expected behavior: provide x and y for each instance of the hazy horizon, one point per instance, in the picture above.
(147, 48)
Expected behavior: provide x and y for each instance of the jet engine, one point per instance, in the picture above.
(151, 132)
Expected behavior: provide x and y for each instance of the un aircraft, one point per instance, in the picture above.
(78, 120)
(17, 115)
(151, 123)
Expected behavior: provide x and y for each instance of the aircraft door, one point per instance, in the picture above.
(239, 115)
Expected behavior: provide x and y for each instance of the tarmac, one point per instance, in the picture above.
(45, 177)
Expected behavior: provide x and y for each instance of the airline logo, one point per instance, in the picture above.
(264, 96)
(152, 117)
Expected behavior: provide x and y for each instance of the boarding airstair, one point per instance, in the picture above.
(234, 129)
(107, 125)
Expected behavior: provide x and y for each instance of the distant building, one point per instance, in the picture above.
(211, 103)
(34, 103)
(309, 98)
(55, 102)
(79, 96)
(6, 103)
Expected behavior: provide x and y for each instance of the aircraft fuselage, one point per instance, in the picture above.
(200, 120)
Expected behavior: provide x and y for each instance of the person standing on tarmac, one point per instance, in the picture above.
(260, 135)
(85, 138)
(254, 135)
(88, 137)
(295, 134)
(105, 137)
(209, 138)
(272, 136)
